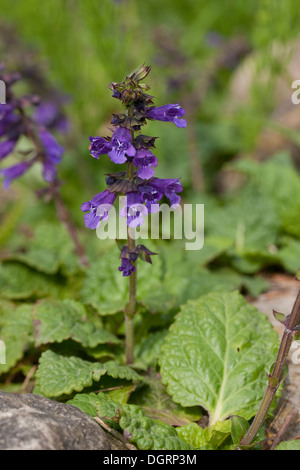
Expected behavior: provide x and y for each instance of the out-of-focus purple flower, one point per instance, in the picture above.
(153, 191)
(53, 150)
(134, 209)
(15, 171)
(98, 208)
(117, 149)
(145, 161)
(127, 267)
(169, 113)
(49, 114)
(6, 147)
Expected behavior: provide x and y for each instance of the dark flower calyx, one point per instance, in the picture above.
(145, 254)
(144, 142)
(122, 186)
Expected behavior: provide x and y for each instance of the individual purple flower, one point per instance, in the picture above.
(145, 161)
(134, 209)
(127, 267)
(6, 147)
(169, 113)
(153, 191)
(98, 208)
(48, 114)
(15, 171)
(53, 150)
(117, 149)
(170, 188)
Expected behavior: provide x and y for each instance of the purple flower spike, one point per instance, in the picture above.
(14, 172)
(53, 150)
(127, 267)
(49, 114)
(121, 146)
(145, 161)
(133, 209)
(169, 113)
(98, 208)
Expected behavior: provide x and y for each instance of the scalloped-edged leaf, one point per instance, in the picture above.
(17, 333)
(59, 320)
(20, 282)
(58, 375)
(105, 289)
(99, 405)
(149, 434)
(155, 401)
(49, 249)
(217, 354)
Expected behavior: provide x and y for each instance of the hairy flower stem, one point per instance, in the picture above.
(130, 309)
(277, 374)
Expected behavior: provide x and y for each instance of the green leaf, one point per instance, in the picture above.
(149, 434)
(155, 401)
(20, 282)
(289, 445)
(58, 375)
(239, 429)
(250, 221)
(208, 438)
(99, 405)
(148, 350)
(49, 249)
(106, 289)
(121, 394)
(17, 333)
(59, 320)
(216, 355)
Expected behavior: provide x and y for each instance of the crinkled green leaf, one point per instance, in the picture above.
(208, 438)
(155, 401)
(217, 354)
(99, 405)
(121, 394)
(148, 350)
(49, 249)
(58, 375)
(17, 333)
(58, 320)
(250, 221)
(149, 434)
(106, 289)
(20, 282)
(289, 445)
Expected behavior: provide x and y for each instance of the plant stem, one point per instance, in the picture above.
(276, 376)
(130, 309)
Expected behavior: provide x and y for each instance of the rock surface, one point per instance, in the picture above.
(31, 422)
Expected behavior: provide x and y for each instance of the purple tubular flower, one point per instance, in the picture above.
(14, 172)
(134, 209)
(98, 208)
(6, 147)
(121, 146)
(144, 160)
(127, 267)
(48, 114)
(169, 113)
(153, 191)
(99, 146)
(168, 187)
(53, 150)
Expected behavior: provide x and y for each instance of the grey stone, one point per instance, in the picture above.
(32, 422)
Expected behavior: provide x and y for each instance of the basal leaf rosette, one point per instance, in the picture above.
(217, 354)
